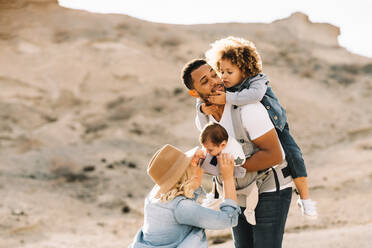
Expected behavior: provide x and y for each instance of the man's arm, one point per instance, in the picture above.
(269, 154)
(253, 94)
(257, 123)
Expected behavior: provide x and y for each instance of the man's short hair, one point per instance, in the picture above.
(214, 133)
(188, 69)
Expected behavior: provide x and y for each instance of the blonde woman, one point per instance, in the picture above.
(172, 216)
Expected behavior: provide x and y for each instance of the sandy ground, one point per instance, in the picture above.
(86, 99)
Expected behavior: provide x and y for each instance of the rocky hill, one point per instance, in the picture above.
(87, 98)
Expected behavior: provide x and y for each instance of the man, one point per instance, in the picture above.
(274, 194)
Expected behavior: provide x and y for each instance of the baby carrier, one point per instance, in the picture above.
(267, 179)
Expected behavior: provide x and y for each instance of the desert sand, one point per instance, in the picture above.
(86, 99)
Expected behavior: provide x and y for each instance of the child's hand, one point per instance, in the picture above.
(208, 110)
(226, 162)
(219, 98)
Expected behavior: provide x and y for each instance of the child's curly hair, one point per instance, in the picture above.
(238, 51)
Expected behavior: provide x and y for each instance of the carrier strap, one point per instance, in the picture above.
(240, 134)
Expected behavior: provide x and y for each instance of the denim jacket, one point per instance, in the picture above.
(181, 222)
(276, 112)
(252, 90)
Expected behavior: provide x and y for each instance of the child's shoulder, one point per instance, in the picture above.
(259, 77)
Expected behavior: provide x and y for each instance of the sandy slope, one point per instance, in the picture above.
(86, 99)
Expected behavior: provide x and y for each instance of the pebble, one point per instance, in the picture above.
(125, 209)
(132, 165)
(89, 168)
(18, 212)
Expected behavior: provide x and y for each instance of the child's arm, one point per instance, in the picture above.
(253, 94)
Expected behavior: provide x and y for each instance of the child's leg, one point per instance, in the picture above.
(301, 185)
(295, 161)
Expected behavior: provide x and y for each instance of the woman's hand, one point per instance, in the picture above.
(199, 154)
(226, 162)
(196, 169)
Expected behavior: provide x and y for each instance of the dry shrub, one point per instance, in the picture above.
(94, 126)
(61, 36)
(165, 41)
(342, 78)
(29, 145)
(122, 26)
(116, 102)
(171, 41)
(62, 167)
(349, 69)
(367, 68)
(344, 74)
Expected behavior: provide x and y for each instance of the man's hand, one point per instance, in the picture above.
(208, 110)
(219, 98)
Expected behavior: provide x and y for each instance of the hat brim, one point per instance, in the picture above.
(181, 168)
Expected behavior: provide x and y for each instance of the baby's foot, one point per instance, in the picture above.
(308, 208)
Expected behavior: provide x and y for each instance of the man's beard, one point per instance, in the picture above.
(204, 97)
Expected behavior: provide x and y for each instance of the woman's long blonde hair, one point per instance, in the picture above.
(182, 187)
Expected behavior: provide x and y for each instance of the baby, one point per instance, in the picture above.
(215, 140)
(240, 68)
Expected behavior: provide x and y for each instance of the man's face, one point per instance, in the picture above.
(206, 82)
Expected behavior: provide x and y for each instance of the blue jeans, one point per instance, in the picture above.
(271, 216)
(293, 153)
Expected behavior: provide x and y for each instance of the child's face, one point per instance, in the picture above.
(230, 73)
(214, 149)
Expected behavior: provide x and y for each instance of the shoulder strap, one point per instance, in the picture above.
(240, 133)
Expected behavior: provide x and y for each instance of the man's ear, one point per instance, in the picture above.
(194, 93)
(223, 144)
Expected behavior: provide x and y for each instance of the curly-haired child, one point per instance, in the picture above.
(240, 68)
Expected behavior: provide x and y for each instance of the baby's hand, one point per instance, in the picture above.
(208, 110)
(219, 98)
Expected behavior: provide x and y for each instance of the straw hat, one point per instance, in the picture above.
(168, 165)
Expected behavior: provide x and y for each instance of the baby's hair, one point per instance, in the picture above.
(239, 52)
(215, 133)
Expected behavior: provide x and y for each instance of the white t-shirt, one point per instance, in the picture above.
(255, 120)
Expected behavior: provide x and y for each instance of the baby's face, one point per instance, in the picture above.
(213, 149)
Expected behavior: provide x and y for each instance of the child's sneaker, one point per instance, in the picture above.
(308, 208)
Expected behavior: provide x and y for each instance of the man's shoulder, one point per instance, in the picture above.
(255, 114)
(253, 108)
